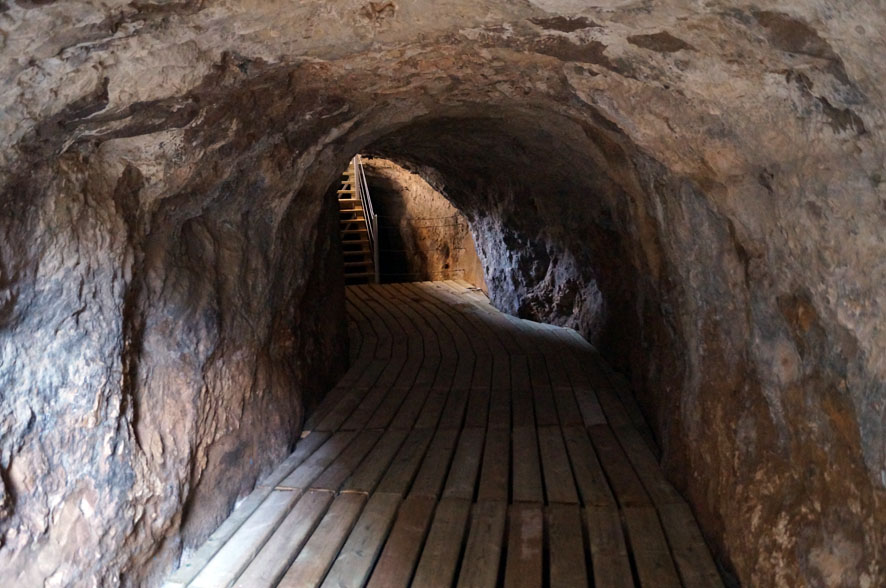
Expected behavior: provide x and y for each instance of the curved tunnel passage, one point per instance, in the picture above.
(698, 190)
(462, 447)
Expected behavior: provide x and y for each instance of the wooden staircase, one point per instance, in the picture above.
(357, 252)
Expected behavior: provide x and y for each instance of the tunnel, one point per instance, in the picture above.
(694, 190)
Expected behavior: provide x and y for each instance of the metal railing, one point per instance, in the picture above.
(371, 219)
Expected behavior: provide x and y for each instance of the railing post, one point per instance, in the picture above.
(362, 188)
(375, 247)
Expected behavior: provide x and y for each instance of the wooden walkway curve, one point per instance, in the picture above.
(464, 447)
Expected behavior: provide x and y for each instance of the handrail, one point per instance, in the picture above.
(371, 219)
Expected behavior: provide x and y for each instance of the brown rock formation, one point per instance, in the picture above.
(697, 188)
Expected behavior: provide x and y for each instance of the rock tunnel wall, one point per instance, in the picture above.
(422, 236)
(697, 189)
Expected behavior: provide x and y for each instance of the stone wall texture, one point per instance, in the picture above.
(699, 188)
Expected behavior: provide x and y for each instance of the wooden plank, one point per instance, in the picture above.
(330, 403)
(500, 408)
(622, 478)
(359, 418)
(612, 406)
(481, 377)
(523, 414)
(525, 546)
(367, 475)
(192, 566)
(428, 415)
(589, 476)
(302, 476)
(385, 338)
(494, 473)
(432, 473)
(609, 554)
(589, 407)
(501, 371)
(480, 565)
(345, 407)
(446, 315)
(465, 465)
(439, 558)
(316, 557)
(651, 554)
(406, 462)
(527, 484)
(338, 471)
(402, 324)
(647, 467)
(622, 388)
(400, 555)
(355, 342)
(331, 416)
(559, 484)
(566, 546)
(303, 450)
(410, 411)
(439, 345)
(447, 369)
(354, 563)
(461, 343)
(396, 354)
(371, 376)
(281, 549)
(390, 406)
(556, 370)
(428, 320)
(243, 545)
(568, 412)
(478, 405)
(464, 369)
(543, 398)
(476, 320)
(454, 410)
(424, 350)
(691, 554)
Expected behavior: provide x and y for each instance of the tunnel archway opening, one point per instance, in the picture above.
(559, 208)
(162, 215)
(418, 234)
(570, 219)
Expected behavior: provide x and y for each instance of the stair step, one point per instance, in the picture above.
(352, 220)
(360, 275)
(349, 200)
(363, 263)
(354, 231)
(349, 191)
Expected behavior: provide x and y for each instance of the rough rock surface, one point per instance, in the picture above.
(422, 235)
(699, 187)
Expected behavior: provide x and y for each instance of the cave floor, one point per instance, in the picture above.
(462, 446)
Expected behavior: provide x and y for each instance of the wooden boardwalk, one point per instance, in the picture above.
(464, 447)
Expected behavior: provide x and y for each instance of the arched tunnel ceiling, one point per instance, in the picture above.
(162, 167)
